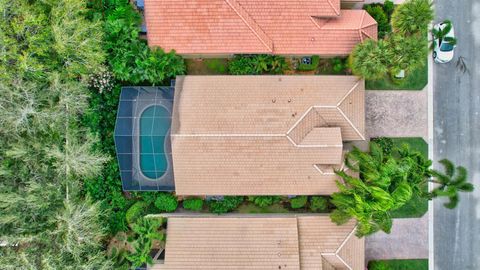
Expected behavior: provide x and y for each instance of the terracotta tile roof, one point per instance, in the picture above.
(276, 242)
(256, 26)
(263, 135)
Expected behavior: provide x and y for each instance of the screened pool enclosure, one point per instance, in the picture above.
(142, 138)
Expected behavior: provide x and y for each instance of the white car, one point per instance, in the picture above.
(443, 50)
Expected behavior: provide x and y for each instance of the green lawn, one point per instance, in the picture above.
(415, 80)
(419, 264)
(209, 66)
(417, 206)
(415, 143)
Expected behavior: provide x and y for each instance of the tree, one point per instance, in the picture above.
(48, 48)
(146, 231)
(381, 17)
(408, 53)
(370, 59)
(453, 181)
(384, 182)
(412, 17)
(441, 34)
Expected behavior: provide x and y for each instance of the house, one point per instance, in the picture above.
(263, 135)
(275, 242)
(220, 28)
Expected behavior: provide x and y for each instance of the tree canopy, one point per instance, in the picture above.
(379, 182)
(48, 50)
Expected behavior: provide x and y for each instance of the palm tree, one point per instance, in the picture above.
(453, 181)
(412, 17)
(441, 34)
(408, 52)
(370, 59)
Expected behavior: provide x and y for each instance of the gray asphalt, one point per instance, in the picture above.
(457, 137)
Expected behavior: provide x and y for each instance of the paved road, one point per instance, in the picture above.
(457, 136)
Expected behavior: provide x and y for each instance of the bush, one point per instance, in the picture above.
(311, 66)
(166, 202)
(130, 58)
(228, 204)
(298, 202)
(136, 211)
(318, 204)
(263, 201)
(338, 65)
(385, 143)
(194, 204)
(379, 14)
(257, 64)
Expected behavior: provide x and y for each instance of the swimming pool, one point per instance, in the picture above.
(155, 123)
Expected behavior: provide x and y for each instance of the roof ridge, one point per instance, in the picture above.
(337, 11)
(314, 20)
(342, 245)
(250, 22)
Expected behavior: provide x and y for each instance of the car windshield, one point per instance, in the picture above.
(446, 47)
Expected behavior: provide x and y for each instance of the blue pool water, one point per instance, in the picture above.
(155, 124)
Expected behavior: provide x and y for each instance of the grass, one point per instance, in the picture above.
(417, 264)
(414, 80)
(209, 66)
(415, 143)
(417, 206)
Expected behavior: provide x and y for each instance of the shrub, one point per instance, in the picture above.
(166, 202)
(386, 144)
(378, 13)
(264, 201)
(338, 65)
(298, 202)
(318, 204)
(312, 66)
(228, 204)
(130, 58)
(257, 64)
(136, 211)
(241, 65)
(194, 204)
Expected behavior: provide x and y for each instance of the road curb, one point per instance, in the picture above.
(430, 89)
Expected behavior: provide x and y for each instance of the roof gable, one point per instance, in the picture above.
(274, 242)
(255, 26)
(263, 135)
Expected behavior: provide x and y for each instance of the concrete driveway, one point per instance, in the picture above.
(396, 113)
(407, 240)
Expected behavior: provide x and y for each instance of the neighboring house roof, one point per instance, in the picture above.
(299, 27)
(278, 242)
(263, 135)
